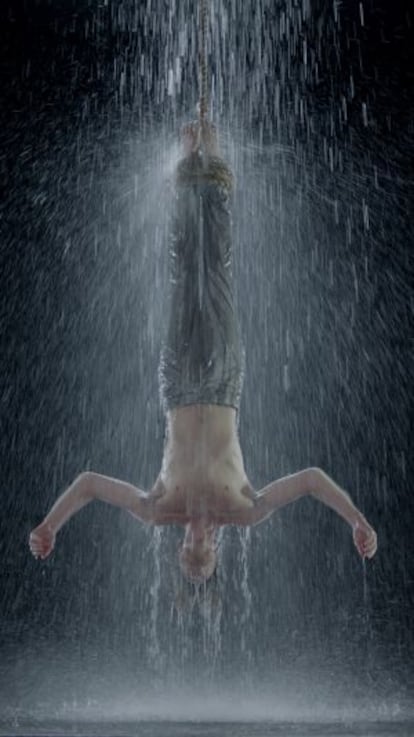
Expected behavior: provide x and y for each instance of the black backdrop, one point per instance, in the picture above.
(72, 356)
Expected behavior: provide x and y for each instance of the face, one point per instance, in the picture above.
(198, 563)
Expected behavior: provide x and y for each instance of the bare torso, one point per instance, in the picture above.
(202, 474)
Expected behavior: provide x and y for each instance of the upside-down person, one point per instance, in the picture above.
(202, 483)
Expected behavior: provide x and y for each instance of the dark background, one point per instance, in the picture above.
(323, 223)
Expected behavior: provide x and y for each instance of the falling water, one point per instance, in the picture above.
(154, 647)
(305, 99)
(245, 536)
(365, 583)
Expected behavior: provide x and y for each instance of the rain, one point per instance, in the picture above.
(294, 635)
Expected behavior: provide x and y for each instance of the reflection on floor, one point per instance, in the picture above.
(208, 729)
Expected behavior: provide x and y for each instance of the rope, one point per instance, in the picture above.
(203, 105)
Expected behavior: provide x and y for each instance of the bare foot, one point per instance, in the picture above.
(190, 136)
(194, 137)
(209, 139)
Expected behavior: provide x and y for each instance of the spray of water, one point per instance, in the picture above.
(321, 271)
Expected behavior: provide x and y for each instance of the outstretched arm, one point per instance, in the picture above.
(86, 487)
(316, 483)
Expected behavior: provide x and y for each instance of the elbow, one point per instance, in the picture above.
(86, 484)
(313, 476)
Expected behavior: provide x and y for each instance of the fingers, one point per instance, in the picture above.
(370, 550)
(368, 546)
(365, 539)
(39, 547)
(39, 552)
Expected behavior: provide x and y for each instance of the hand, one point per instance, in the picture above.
(365, 538)
(42, 541)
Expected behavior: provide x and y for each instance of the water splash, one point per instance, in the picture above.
(154, 642)
(319, 143)
(246, 608)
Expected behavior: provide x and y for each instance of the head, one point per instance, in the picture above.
(197, 565)
(198, 561)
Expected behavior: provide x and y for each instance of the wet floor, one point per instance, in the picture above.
(211, 729)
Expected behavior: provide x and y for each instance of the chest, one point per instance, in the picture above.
(219, 494)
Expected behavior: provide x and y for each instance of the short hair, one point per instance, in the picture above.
(197, 565)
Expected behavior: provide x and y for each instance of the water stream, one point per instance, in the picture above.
(312, 109)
